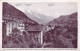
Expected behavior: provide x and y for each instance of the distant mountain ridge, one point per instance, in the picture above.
(11, 12)
(38, 17)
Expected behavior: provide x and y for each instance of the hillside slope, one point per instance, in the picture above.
(64, 34)
(10, 12)
(65, 20)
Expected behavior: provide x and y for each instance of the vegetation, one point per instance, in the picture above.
(62, 37)
(16, 40)
(64, 34)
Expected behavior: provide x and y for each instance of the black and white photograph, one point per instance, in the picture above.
(39, 25)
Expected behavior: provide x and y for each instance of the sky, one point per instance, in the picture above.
(54, 10)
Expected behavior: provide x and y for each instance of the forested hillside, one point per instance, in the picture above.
(64, 34)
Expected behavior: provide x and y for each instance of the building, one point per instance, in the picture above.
(9, 24)
(36, 32)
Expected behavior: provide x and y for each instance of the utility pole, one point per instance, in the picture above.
(51, 5)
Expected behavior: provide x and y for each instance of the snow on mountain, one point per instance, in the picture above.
(38, 17)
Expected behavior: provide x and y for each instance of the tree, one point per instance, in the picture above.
(15, 32)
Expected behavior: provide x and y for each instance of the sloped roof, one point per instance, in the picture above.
(35, 28)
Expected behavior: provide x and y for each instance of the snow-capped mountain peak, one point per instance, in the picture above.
(38, 17)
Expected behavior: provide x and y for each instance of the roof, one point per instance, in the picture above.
(35, 28)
